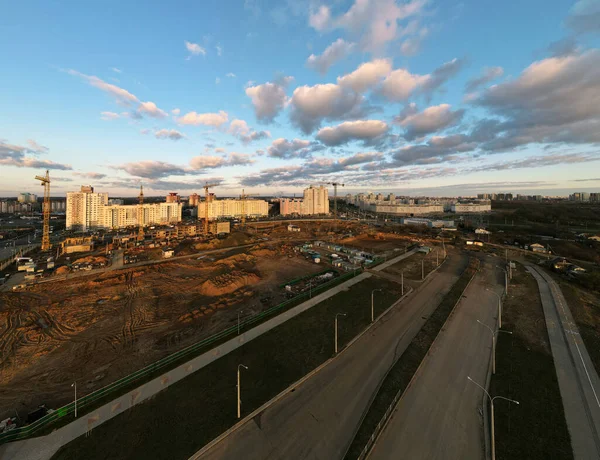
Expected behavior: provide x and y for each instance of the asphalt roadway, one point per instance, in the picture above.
(577, 378)
(439, 417)
(318, 419)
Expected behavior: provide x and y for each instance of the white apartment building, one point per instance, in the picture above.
(88, 210)
(316, 200)
(471, 207)
(84, 208)
(233, 208)
(403, 209)
(289, 206)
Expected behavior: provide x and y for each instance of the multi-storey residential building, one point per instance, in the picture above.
(291, 206)
(471, 207)
(233, 208)
(88, 210)
(27, 198)
(194, 200)
(316, 200)
(84, 208)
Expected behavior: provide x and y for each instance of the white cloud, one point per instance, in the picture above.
(219, 49)
(269, 98)
(176, 112)
(430, 120)
(150, 109)
(487, 75)
(213, 161)
(195, 49)
(364, 130)
(109, 115)
(37, 148)
(217, 80)
(230, 75)
(367, 75)
(241, 130)
(320, 19)
(310, 105)
(282, 148)
(172, 134)
(114, 69)
(335, 52)
(206, 119)
(401, 84)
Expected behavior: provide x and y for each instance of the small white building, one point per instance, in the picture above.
(482, 231)
(167, 253)
(536, 247)
(293, 228)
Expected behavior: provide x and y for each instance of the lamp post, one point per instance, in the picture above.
(493, 344)
(492, 413)
(372, 305)
(336, 330)
(74, 385)
(402, 281)
(239, 400)
(499, 307)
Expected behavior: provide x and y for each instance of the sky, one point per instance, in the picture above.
(412, 97)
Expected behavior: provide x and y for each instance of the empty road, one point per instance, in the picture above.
(438, 416)
(577, 378)
(318, 419)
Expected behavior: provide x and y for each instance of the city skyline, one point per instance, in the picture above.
(444, 99)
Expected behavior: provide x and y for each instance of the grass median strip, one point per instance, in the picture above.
(179, 421)
(403, 370)
(536, 429)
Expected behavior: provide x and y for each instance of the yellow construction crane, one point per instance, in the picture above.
(141, 214)
(335, 186)
(243, 197)
(46, 210)
(206, 196)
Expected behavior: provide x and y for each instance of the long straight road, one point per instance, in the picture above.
(577, 378)
(438, 416)
(318, 419)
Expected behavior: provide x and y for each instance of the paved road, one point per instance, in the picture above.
(577, 378)
(439, 417)
(318, 419)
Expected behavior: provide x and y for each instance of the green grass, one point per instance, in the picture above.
(179, 421)
(403, 370)
(536, 429)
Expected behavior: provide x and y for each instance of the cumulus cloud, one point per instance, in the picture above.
(335, 52)
(212, 161)
(282, 148)
(171, 134)
(430, 120)
(150, 109)
(195, 49)
(487, 75)
(151, 169)
(363, 130)
(310, 105)
(374, 23)
(269, 98)
(367, 75)
(207, 119)
(553, 100)
(14, 155)
(241, 130)
(176, 112)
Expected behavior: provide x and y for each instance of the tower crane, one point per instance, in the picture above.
(243, 197)
(46, 210)
(335, 186)
(206, 187)
(141, 214)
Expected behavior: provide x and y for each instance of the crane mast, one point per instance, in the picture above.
(45, 180)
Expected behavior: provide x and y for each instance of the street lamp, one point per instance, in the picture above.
(372, 305)
(74, 385)
(493, 344)
(239, 400)
(499, 307)
(492, 413)
(336, 330)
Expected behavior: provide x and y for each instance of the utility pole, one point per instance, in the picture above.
(402, 278)
(239, 399)
(422, 269)
(335, 186)
(46, 210)
(373, 305)
(336, 330)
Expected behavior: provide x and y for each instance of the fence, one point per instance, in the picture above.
(20, 252)
(148, 371)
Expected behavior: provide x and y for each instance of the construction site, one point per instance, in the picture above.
(95, 328)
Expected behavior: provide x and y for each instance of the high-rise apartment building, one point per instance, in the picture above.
(173, 198)
(316, 200)
(288, 206)
(84, 208)
(233, 208)
(194, 200)
(27, 198)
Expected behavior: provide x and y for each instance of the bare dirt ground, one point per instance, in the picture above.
(95, 330)
(377, 243)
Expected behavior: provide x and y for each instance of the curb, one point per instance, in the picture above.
(395, 402)
(294, 385)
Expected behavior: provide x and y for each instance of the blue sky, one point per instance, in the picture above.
(415, 97)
